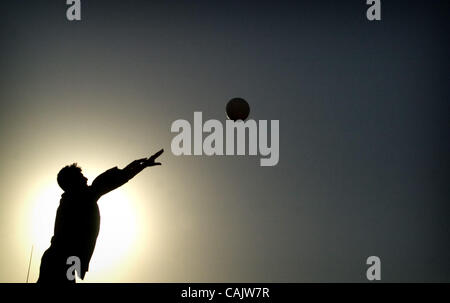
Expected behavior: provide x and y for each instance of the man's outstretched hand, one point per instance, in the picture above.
(137, 166)
(151, 161)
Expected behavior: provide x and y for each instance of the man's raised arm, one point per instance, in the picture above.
(115, 177)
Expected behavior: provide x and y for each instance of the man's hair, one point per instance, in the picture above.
(69, 176)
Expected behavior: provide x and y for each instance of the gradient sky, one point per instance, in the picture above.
(364, 135)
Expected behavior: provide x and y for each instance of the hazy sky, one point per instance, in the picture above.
(364, 137)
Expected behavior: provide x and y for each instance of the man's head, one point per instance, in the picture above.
(70, 178)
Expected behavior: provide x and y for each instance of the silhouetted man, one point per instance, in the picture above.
(77, 220)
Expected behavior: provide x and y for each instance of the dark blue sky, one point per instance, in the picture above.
(364, 127)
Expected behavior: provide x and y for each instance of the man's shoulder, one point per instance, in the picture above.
(105, 175)
(111, 170)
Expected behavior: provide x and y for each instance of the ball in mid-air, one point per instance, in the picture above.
(238, 109)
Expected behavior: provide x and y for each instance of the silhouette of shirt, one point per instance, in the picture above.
(77, 222)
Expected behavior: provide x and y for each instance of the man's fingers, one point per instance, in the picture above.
(157, 154)
(155, 163)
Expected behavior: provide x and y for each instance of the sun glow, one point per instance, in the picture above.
(118, 233)
(45, 205)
